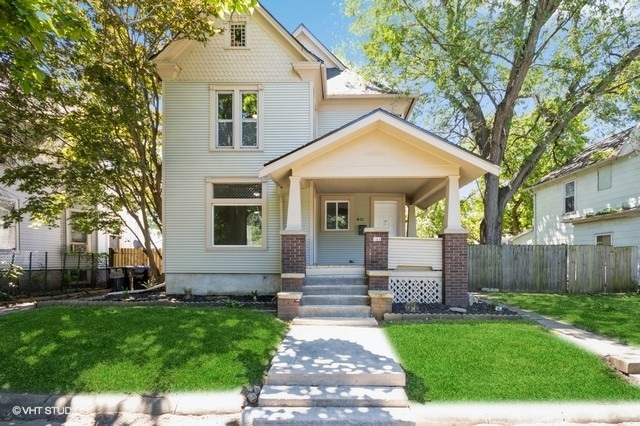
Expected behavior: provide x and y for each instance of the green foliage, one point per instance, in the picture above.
(89, 135)
(231, 303)
(503, 361)
(613, 315)
(135, 349)
(513, 81)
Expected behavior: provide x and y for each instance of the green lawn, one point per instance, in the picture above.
(135, 349)
(614, 315)
(499, 361)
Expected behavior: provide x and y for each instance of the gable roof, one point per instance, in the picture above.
(381, 136)
(614, 146)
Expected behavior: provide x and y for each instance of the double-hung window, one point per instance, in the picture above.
(337, 213)
(236, 117)
(236, 213)
(570, 197)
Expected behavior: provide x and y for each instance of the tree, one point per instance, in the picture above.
(507, 79)
(91, 136)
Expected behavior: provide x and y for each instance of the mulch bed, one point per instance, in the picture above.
(255, 302)
(478, 308)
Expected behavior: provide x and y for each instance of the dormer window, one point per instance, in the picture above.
(238, 33)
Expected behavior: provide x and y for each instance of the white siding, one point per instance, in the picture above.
(624, 231)
(188, 161)
(343, 247)
(549, 227)
(331, 119)
(267, 58)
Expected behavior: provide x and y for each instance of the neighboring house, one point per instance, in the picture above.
(27, 236)
(280, 163)
(594, 198)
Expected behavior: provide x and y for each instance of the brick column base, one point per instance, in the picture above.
(381, 303)
(455, 288)
(288, 305)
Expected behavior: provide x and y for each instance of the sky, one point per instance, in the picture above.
(324, 18)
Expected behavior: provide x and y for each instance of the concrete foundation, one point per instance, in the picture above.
(228, 284)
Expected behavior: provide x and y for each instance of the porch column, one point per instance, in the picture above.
(293, 255)
(376, 269)
(411, 221)
(376, 258)
(455, 280)
(294, 207)
(452, 222)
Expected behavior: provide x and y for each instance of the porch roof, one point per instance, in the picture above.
(380, 152)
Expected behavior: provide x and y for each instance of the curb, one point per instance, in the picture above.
(43, 406)
(526, 413)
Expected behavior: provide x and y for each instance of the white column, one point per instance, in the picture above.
(452, 222)
(411, 221)
(294, 208)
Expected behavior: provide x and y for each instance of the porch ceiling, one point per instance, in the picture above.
(411, 187)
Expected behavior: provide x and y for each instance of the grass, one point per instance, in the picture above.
(135, 349)
(500, 361)
(614, 315)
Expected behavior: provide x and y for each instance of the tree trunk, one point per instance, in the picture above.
(491, 226)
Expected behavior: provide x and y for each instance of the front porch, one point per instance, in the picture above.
(350, 198)
(396, 269)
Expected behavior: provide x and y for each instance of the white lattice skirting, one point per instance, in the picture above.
(416, 288)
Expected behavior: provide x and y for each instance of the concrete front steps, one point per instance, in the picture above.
(330, 375)
(334, 296)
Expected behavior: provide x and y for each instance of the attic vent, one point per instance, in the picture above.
(238, 35)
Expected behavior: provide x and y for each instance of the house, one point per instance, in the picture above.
(280, 164)
(594, 198)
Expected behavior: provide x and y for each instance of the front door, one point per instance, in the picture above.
(385, 215)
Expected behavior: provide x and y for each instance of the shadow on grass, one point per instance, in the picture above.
(135, 349)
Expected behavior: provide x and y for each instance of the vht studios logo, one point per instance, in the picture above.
(47, 411)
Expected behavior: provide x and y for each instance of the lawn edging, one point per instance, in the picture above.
(447, 317)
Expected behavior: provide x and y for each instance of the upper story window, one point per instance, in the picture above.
(570, 197)
(604, 177)
(236, 117)
(237, 210)
(238, 34)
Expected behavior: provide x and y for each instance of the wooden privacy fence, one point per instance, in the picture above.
(553, 269)
(133, 257)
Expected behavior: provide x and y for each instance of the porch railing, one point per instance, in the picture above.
(415, 269)
(415, 253)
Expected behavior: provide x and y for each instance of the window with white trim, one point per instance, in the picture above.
(336, 215)
(570, 197)
(236, 117)
(78, 241)
(8, 240)
(604, 177)
(603, 240)
(236, 213)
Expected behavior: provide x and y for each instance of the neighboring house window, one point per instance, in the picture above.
(570, 197)
(237, 212)
(236, 117)
(336, 214)
(238, 34)
(603, 240)
(604, 177)
(78, 241)
(7, 235)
